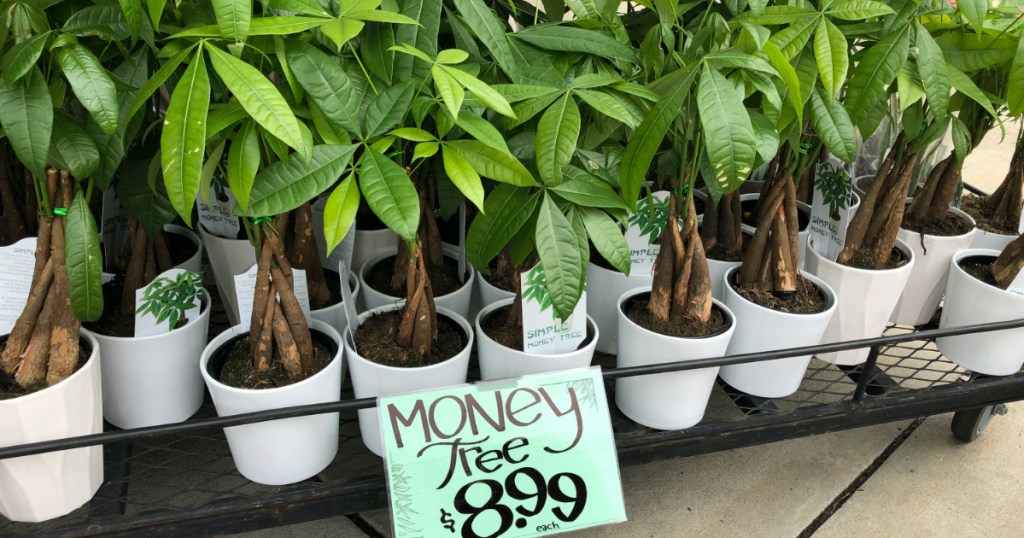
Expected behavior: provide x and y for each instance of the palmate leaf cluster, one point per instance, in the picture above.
(835, 186)
(167, 300)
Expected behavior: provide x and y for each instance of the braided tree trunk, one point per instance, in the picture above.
(278, 328)
(681, 289)
(1005, 203)
(12, 225)
(772, 260)
(872, 232)
(43, 345)
(936, 197)
(145, 260)
(304, 254)
(723, 225)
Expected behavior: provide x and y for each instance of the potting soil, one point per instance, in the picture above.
(376, 339)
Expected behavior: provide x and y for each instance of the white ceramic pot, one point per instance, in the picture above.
(370, 243)
(865, 298)
(228, 257)
(927, 282)
(153, 380)
(285, 450)
(762, 329)
(485, 294)
(990, 240)
(498, 361)
(970, 301)
(605, 287)
(44, 486)
(371, 379)
(335, 315)
(457, 301)
(194, 263)
(673, 400)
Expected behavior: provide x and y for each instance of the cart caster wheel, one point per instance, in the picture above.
(968, 425)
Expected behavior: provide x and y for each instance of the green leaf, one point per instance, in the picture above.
(260, 98)
(961, 140)
(557, 133)
(766, 135)
(966, 86)
(340, 31)
(487, 95)
(83, 260)
(156, 81)
(971, 52)
(233, 17)
(91, 84)
(611, 106)
(932, 66)
(588, 191)
(223, 116)
(286, 185)
(284, 25)
(778, 15)
(20, 59)
(492, 163)
(183, 139)
(490, 30)
(514, 93)
(452, 56)
(791, 39)
(133, 15)
(327, 84)
(427, 13)
(147, 203)
(481, 130)
(463, 176)
(607, 238)
(25, 108)
(529, 108)
(425, 150)
(832, 54)
(560, 38)
(740, 60)
(647, 138)
(388, 108)
(243, 162)
(156, 9)
(1015, 82)
(560, 257)
(873, 75)
(449, 89)
(72, 147)
(794, 93)
(974, 11)
(340, 212)
(413, 134)
(104, 21)
(833, 126)
(729, 136)
(309, 7)
(506, 209)
(857, 10)
(390, 194)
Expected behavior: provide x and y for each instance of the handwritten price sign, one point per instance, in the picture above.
(526, 457)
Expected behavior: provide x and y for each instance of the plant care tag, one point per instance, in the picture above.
(543, 332)
(348, 301)
(173, 299)
(113, 226)
(16, 264)
(1017, 285)
(245, 290)
(645, 226)
(830, 210)
(525, 457)
(343, 252)
(217, 216)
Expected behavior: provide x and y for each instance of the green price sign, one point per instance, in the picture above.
(527, 457)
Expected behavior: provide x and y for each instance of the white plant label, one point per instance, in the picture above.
(1017, 286)
(543, 332)
(173, 295)
(245, 291)
(16, 264)
(113, 226)
(217, 216)
(1020, 226)
(830, 210)
(645, 226)
(343, 252)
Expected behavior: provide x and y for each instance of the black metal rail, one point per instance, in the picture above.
(178, 479)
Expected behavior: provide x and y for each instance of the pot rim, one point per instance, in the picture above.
(493, 307)
(961, 214)
(967, 253)
(203, 313)
(231, 332)
(90, 363)
(730, 318)
(830, 297)
(448, 251)
(207, 234)
(350, 347)
(900, 244)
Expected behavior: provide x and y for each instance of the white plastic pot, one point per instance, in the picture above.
(371, 379)
(990, 240)
(606, 286)
(44, 486)
(485, 295)
(673, 400)
(865, 298)
(335, 315)
(762, 329)
(228, 257)
(498, 361)
(457, 301)
(970, 301)
(153, 380)
(285, 450)
(194, 263)
(927, 282)
(370, 243)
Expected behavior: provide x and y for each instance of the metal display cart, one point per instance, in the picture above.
(179, 479)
